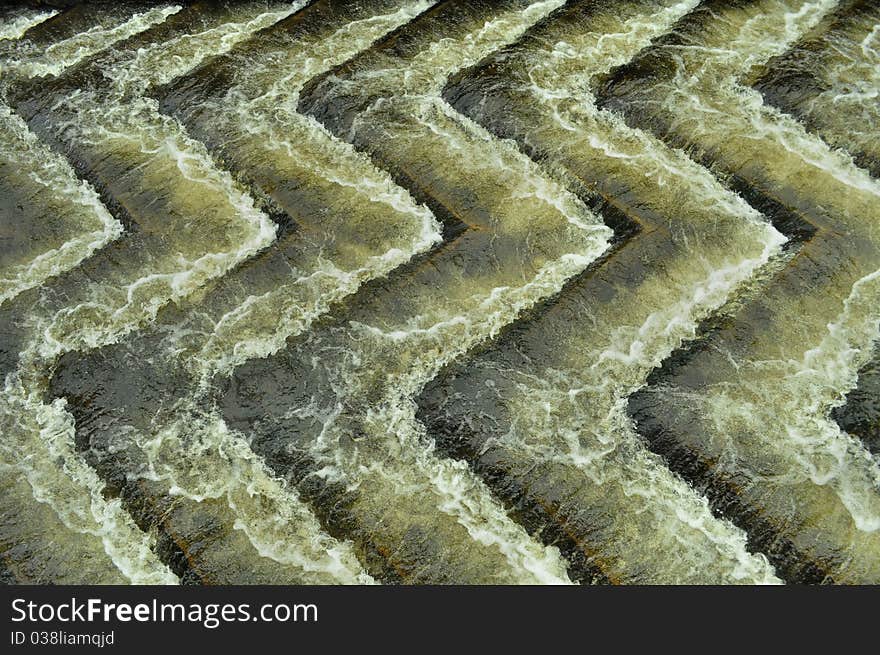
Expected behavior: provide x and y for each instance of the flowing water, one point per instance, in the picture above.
(404, 291)
(18, 21)
(830, 80)
(752, 404)
(550, 399)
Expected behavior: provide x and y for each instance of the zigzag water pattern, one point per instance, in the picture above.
(404, 291)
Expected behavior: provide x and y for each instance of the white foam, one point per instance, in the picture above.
(198, 457)
(64, 54)
(122, 305)
(38, 445)
(14, 29)
(91, 219)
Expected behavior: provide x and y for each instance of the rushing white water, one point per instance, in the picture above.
(38, 446)
(565, 405)
(256, 119)
(83, 226)
(397, 341)
(38, 437)
(251, 327)
(847, 69)
(764, 407)
(222, 329)
(199, 458)
(118, 121)
(815, 384)
(254, 389)
(754, 42)
(78, 224)
(33, 61)
(121, 121)
(13, 29)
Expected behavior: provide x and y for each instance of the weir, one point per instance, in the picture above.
(363, 228)
(61, 39)
(35, 181)
(346, 407)
(426, 551)
(185, 220)
(417, 291)
(539, 414)
(830, 81)
(37, 184)
(744, 412)
(70, 533)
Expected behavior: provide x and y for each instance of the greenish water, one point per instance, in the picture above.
(416, 292)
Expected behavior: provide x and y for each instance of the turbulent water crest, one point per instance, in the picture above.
(764, 406)
(404, 291)
(16, 24)
(571, 416)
